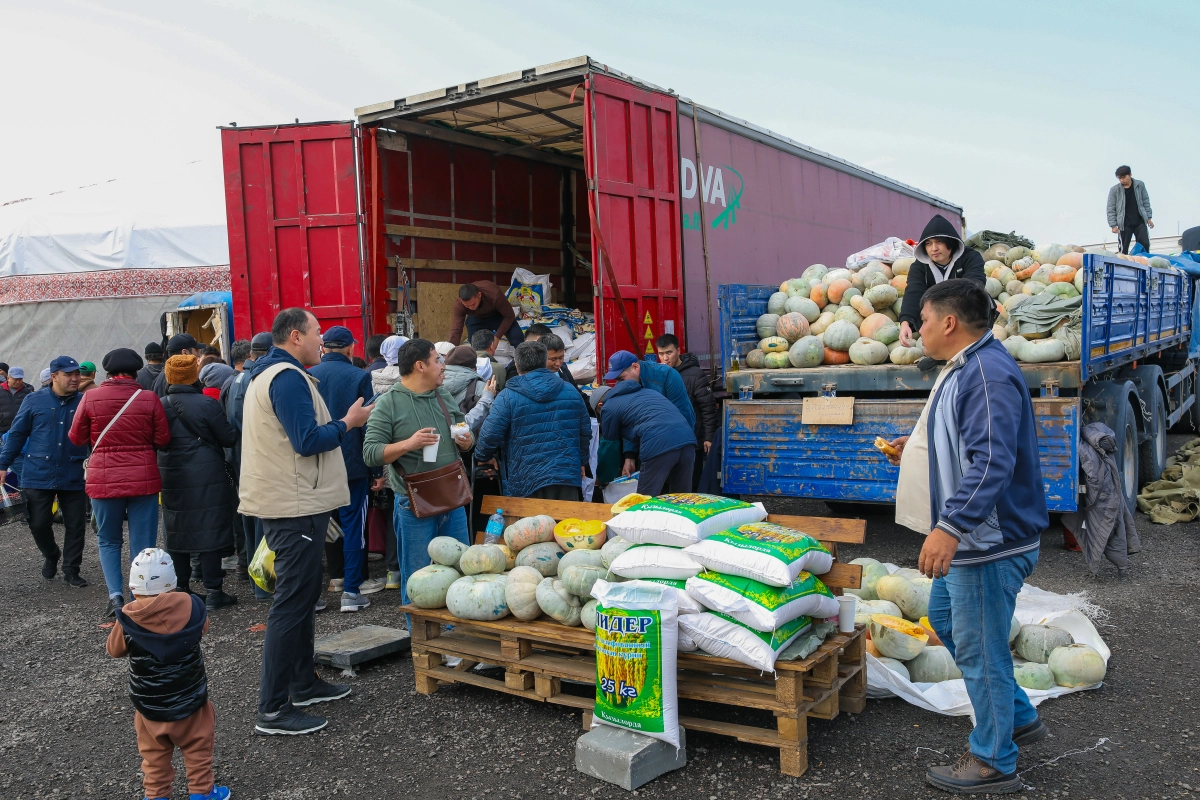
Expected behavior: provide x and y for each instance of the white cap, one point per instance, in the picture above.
(443, 348)
(153, 572)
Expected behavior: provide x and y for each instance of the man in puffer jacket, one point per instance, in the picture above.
(159, 631)
(542, 428)
(941, 255)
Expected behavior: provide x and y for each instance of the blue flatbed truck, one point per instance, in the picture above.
(1135, 376)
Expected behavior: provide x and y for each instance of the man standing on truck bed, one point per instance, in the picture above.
(941, 255)
(1129, 210)
(988, 507)
(482, 305)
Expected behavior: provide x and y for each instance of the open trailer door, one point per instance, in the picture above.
(632, 155)
(293, 202)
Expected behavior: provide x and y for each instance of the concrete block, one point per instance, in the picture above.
(626, 758)
(350, 648)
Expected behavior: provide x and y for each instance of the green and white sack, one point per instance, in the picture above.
(687, 603)
(678, 520)
(724, 636)
(763, 551)
(655, 561)
(636, 640)
(763, 607)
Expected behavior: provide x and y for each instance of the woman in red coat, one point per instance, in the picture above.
(122, 472)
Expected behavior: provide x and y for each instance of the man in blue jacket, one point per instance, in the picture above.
(340, 385)
(51, 467)
(989, 505)
(540, 425)
(662, 378)
(653, 430)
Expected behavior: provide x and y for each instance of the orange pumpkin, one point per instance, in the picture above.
(817, 295)
(871, 648)
(836, 357)
(934, 641)
(1027, 273)
(837, 289)
(1062, 274)
(1071, 260)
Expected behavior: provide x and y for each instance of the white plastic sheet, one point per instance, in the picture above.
(1034, 607)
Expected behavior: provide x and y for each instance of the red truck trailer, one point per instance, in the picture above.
(635, 201)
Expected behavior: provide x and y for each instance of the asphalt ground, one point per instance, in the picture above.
(66, 721)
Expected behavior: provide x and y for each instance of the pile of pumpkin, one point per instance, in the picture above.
(895, 609)
(542, 568)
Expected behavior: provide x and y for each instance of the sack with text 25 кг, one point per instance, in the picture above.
(636, 642)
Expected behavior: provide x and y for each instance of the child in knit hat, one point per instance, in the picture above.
(160, 633)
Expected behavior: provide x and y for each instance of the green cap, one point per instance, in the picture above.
(88, 367)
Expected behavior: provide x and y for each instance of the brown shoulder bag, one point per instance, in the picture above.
(438, 490)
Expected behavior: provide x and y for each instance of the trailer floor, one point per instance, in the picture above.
(66, 722)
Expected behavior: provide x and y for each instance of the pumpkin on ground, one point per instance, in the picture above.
(766, 325)
(912, 598)
(446, 550)
(868, 351)
(756, 359)
(481, 558)
(578, 534)
(872, 571)
(1033, 676)
(1077, 665)
(934, 664)
(479, 597)
(427, 586)
(557, 602)
(1036, 642)
(807, 352)
(542, 556)
(840, 335)
(520, 592)
(777, 302)
(897, 638)
(896, 667)
(773, 344)
(530, 530)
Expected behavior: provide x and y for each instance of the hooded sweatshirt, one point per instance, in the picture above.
(161, 637)
(964, 263)
(400, 413)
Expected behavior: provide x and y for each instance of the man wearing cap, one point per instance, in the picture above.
(341, 385)
(625, 366)
(44, 378)
(653, 430)
(12, 394)
(181, 344)
(293, 476)
(154, 366)
(51, 468)
(87, 376)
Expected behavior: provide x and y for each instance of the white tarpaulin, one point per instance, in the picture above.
(175, 218)
(1034, 607)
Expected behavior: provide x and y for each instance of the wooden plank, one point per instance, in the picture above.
(467, 236)
(435, 304)
(355, 646)
(447, 675)
(476, 266)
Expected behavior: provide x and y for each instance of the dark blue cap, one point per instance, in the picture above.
(618, 363)
(337, 336)
(64, 364)
(262, 341)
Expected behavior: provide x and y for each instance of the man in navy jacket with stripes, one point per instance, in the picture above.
(989, 505)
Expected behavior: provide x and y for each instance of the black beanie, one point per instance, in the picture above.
(122, 360)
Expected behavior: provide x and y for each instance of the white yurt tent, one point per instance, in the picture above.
(87, 270)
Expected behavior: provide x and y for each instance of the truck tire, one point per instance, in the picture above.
(1153, 456)
(1127, 454)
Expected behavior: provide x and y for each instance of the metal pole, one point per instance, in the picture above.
(712, 346)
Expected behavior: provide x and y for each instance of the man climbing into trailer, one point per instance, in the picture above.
(988, 507)
(483, 305)
(941, 255)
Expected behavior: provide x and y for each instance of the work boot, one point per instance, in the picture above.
(74, 579)
(114, 603)
(1028, 734)
(969, 775)
(218, 599)
(49, 568)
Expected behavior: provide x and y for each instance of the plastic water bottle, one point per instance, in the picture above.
(494, 534)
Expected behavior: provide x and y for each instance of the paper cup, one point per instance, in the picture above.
(429, 453)
(846, 607)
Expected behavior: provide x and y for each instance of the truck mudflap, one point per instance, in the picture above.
(768, 451)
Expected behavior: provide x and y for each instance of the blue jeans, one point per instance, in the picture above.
(353, 521)
(143, 533)
(414, 535)
(971, 609)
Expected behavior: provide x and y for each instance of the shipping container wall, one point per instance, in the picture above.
(771, 213)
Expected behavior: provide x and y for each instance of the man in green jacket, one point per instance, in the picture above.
(415, 413)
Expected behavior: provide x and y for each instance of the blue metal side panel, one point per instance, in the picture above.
(739, 306)
(769, 452)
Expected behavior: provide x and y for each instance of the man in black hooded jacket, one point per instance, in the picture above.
(695, 380)
(941, 255)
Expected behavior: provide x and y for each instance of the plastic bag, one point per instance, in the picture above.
(529, 291)
(262, 567)
(886, 251)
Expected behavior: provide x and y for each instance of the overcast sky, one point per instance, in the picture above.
(1019, 114)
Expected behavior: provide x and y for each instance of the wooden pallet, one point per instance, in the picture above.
(537, 656)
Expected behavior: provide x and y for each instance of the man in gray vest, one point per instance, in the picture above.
(292, 478)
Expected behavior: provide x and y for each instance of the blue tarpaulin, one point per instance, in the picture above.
(1189, 262)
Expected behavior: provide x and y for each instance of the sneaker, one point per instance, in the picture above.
(372, 585)
(374, 556)
(1028, 734)
(320, 604)
(393, 580)
(229, 563)
(219, 599)
(337, 584)
(289, 721)
(74, 579)
(354, 602)
(114, 603)
(49, 568)
(969, 775)
(218, 793)
(321, 691)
